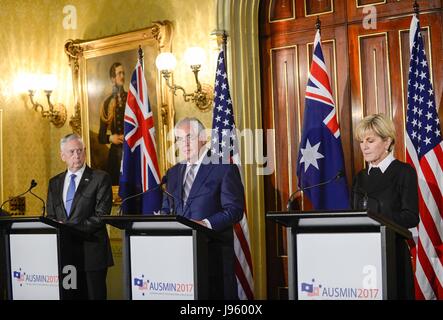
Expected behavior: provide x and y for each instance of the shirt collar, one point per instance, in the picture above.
(199, 161)
(384, 164)
(78, 173)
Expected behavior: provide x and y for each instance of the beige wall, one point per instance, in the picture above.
(33, 36)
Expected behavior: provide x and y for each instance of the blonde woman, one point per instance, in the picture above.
(387, 186)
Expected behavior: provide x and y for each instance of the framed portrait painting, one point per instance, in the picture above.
(101, 72)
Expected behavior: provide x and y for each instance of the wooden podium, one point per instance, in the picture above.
(38, 253)
(166, 257)
(341, 255)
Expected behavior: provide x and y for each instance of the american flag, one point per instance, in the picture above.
(140, 170)
(224, 143)
(425, 153)
(320, 157)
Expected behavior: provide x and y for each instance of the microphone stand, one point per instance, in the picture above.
(33, 184)
(44, 205)
(291, 197)
(171, 208)
(137, 195)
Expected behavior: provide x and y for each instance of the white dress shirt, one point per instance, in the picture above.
(197, 166)
(78, 177)
(384, 164)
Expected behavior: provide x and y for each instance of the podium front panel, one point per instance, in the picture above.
(162, 267)
(34, 267)
(339, 266)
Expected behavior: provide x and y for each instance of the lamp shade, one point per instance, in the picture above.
(165, 61)
(48, 82)
(25, 82)
(195, 56)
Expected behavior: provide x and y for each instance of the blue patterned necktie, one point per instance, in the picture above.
(188, 182)
(70, 194)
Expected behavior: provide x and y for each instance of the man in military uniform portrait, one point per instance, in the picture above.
(112, 120)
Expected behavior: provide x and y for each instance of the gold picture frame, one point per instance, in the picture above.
(90, 62)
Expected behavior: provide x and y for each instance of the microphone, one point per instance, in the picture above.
(364, 203)
(33, 185)
(159, 186)
(339, 174)
(173, 198)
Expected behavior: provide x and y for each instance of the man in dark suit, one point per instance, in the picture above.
(79, 196)
(210, 194)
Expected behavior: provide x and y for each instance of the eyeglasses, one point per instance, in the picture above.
(188, 137)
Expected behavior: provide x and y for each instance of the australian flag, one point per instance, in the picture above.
(140, 171)
(320, 157)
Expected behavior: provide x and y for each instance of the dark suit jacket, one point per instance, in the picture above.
(393, 194)
(93, 198)
(217, 194)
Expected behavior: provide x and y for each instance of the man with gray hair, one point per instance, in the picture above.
(78, 197)
(210, 194)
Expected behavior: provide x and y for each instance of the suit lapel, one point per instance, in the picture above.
(60, 182)
(85, 180)
(176, 187)
(181, 177)
(199, 180)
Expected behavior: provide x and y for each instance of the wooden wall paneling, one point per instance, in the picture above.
(343, 98)
(284, 72)
(272, 232)
(374, 73)
(362, 3)
(357, 9)
(281, 10)
(302, 20)
(394, 65)
(283, 109)
(318, 7)
(371, 84)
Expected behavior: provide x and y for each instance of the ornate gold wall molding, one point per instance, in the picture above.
(156, 39)
(1, 156)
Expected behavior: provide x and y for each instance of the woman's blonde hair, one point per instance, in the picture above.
(381, 125)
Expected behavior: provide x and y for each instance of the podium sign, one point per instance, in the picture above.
(34, 267)
(36, 250)
(358, 278)
(173, 279)
(166, 257)
(341, 255)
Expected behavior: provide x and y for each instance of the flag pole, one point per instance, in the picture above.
(140, 56)
(416, 7)
(318, 24)
(224, 44)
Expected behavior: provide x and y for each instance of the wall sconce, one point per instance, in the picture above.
(202, 97)
(56, 113)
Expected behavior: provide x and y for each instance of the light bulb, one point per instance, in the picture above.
(165, 61)
(195, 56)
